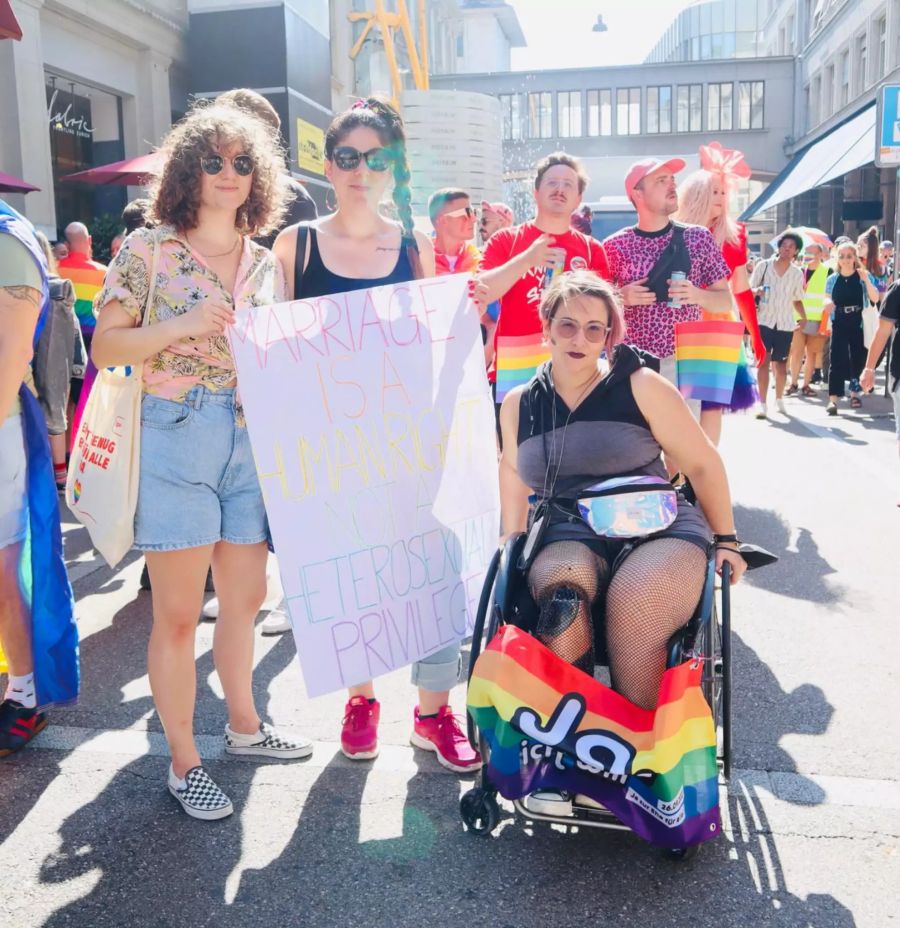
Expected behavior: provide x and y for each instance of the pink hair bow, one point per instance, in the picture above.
(360, 105)
(727, 161)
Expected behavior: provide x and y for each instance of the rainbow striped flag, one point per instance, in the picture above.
(552, 726)
(707, 353)
(87, 279)
(518, 358)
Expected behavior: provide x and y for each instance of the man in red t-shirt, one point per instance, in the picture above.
(517, 261)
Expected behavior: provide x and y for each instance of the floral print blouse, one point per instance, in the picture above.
(183, 282)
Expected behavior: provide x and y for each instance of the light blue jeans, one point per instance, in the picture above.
(439, 671)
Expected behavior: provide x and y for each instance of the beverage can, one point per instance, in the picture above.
(676, 275)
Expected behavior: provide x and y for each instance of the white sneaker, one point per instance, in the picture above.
(267, 743)
(274, 598)
(762, 411)
(549, 802)
(276, 622)
(586, 802)
(779, 405)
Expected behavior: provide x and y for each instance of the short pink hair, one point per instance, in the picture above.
(571, 284)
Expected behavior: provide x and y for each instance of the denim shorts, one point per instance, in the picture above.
(198, 482)
(13, 498)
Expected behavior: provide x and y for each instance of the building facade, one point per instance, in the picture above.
(708, 30)
(93, 83)
(844, 51)
(87, 85)
(610, 117)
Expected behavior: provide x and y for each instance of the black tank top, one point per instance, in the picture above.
(317, 280)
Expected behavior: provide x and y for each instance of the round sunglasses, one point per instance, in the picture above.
(346, 158)
(214, 164)
(594, 332)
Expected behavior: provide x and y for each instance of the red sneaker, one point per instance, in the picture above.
(444, 735)
(359, 732)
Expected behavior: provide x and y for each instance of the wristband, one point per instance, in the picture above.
(731, 538)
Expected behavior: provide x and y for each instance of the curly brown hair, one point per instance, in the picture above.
(205, 130)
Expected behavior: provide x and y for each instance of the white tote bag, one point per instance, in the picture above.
(104, 469)
(869, 324)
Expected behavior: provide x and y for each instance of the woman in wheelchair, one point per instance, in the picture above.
(578, 424)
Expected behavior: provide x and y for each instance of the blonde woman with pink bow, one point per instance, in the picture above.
(703, 200)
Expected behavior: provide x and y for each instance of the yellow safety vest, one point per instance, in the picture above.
(814, 300)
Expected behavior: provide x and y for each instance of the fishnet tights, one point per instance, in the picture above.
(564, 580)
(652, 594)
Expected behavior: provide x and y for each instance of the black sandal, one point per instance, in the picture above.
(855, 402)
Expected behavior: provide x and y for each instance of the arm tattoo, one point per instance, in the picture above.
(28, 294)
(385, 248)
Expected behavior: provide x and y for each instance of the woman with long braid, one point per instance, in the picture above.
(354, 248)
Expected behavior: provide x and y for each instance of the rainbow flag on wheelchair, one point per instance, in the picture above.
(551, 726)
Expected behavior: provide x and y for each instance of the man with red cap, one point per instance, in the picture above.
(494, 216)
(643, 257)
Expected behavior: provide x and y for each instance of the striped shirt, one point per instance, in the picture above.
(87, 278)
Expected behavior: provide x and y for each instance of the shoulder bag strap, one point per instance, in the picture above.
(151, 288)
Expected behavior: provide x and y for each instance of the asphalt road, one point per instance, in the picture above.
(91, 839)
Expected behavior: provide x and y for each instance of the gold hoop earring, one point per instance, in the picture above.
(328, 205)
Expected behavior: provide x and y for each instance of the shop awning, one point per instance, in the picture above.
(10, 184)
(133, 172)
(9, 26)
(845, 148)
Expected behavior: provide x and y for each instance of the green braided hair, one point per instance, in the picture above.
(377, 113)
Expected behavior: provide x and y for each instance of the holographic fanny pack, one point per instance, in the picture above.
(628, 507)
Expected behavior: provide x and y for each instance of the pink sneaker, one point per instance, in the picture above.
(359, 732)
(444, 735)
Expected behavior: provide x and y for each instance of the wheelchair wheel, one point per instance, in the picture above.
(680, 854)
(714, 641)
(726, 670)
(480, 811)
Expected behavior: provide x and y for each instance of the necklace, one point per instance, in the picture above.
(550, 484)
(220, 255)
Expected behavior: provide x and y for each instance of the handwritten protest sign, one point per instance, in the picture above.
(372, 426)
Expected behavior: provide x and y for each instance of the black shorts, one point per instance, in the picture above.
(778, 343)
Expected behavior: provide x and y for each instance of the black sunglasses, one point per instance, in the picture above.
(242, 164)
(348, 159)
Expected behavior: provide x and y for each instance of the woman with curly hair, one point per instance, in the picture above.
(167, 300)
(354, 248)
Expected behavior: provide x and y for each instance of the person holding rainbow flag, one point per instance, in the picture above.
(38, 637)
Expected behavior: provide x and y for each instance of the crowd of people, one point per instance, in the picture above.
(579, 347)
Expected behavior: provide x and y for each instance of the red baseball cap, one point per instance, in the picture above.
(640, 169)
(501, 209)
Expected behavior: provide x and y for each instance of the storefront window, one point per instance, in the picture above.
(85, 126)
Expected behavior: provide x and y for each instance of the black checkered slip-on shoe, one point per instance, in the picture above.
(200, 797)
(268, 743)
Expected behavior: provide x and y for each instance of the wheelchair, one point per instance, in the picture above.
(706, 637)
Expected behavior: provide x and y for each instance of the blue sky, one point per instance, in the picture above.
(559, 31)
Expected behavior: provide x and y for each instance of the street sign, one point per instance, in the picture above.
(887, 151)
